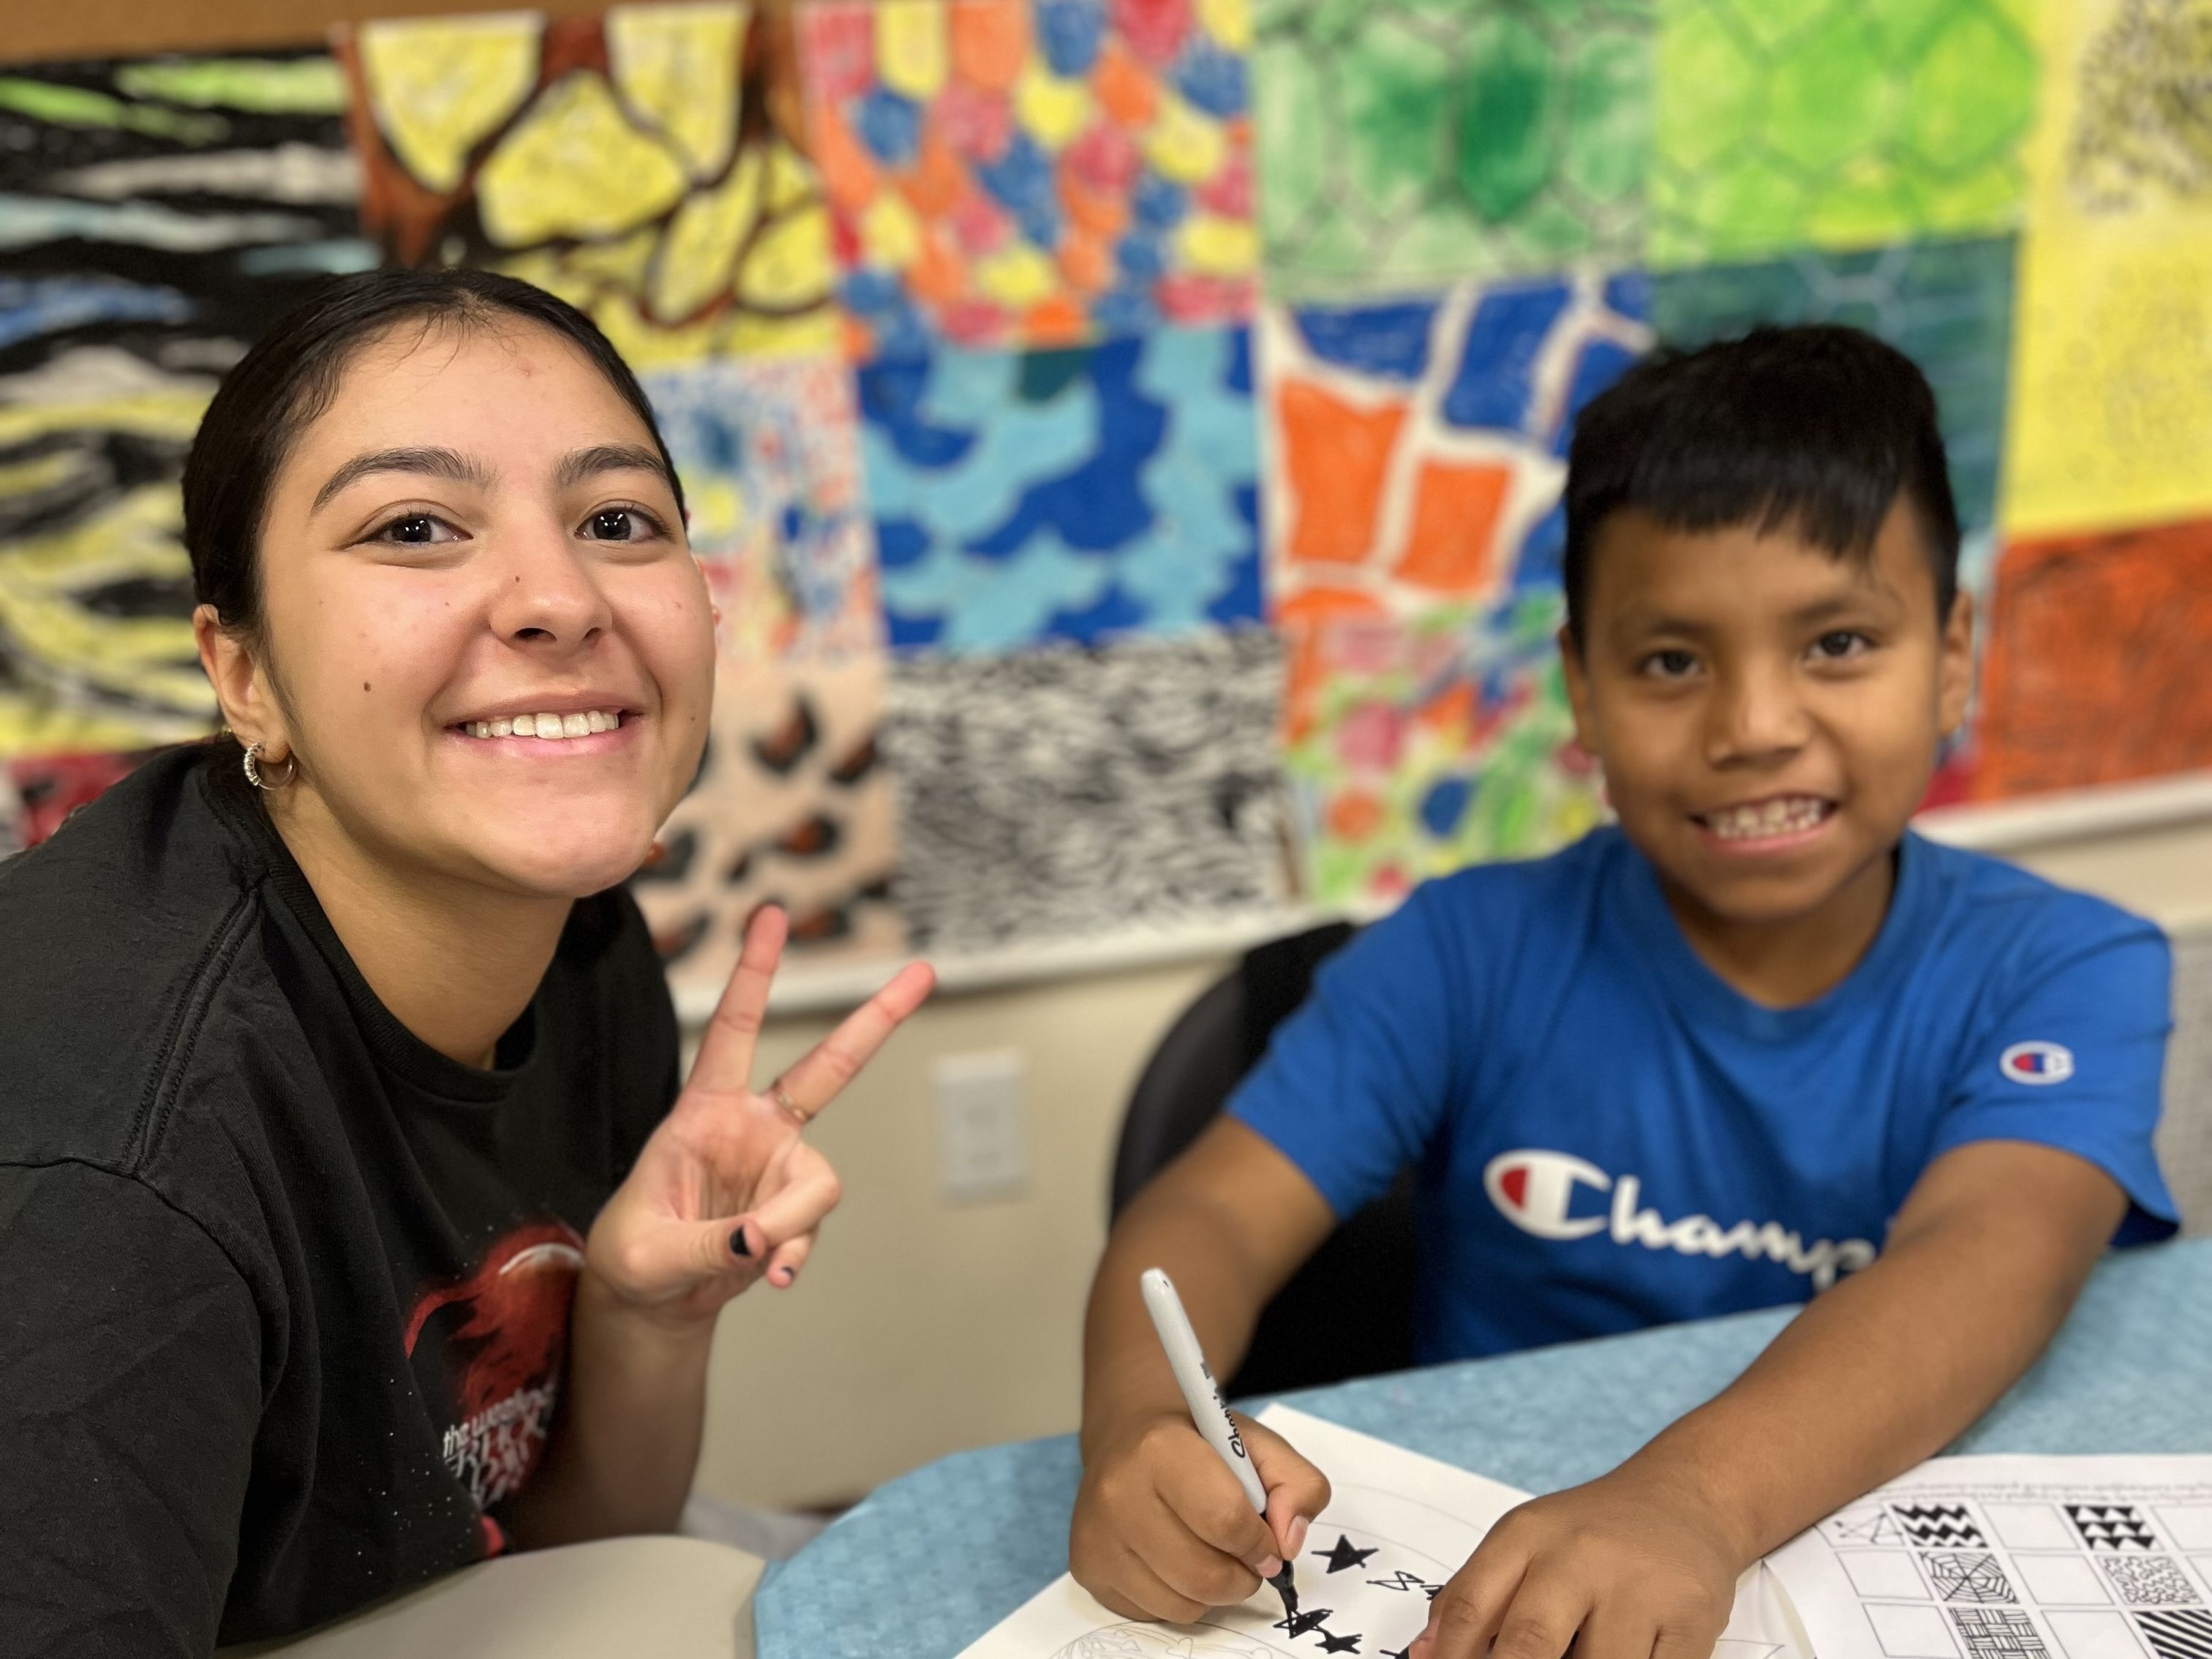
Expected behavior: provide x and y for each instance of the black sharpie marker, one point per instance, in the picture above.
(1188, 1361)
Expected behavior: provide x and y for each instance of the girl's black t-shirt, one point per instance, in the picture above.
(283, 1291)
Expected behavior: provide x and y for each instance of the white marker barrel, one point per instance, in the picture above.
(1188, 1361)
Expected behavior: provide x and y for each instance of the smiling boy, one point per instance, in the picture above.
(1756, 1041)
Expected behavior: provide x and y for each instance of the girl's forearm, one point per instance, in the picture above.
(625, 1443)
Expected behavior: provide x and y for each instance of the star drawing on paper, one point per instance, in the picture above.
(1343, 1555)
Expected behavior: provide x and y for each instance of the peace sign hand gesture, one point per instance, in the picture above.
(727, 1190)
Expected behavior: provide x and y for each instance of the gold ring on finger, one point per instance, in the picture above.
(781, 1097)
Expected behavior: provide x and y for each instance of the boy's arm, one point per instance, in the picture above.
(1162, 1530)
(1878, 1374)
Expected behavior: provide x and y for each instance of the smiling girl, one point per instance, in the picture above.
(353, 1224)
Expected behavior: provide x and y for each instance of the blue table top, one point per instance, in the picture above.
(986, 1530)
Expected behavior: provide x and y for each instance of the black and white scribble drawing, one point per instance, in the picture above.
(1967, 1576)
(1946, 1525)
(1408, 1583)
(2112, 1526)
(1998, 1633)
(1072, 791)
(2185, 1634)
(2150, 1581)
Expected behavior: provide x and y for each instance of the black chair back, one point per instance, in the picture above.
(1348, 1311)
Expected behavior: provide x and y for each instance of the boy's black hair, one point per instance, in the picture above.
(1817, 428)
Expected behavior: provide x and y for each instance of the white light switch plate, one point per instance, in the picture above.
(982, 1142)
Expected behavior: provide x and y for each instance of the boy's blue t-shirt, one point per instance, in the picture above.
(1607, 1136)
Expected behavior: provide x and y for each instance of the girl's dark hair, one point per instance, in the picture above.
(1818, 427)
(290, 376)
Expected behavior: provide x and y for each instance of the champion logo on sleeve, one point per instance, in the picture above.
(1534, 1190)
(2037, 1063)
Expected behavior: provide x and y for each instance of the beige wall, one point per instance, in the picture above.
(922, 1326)
(2164, 873)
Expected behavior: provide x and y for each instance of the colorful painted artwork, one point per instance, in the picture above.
(1080, 494)
(793, 806)
(1416, 747)
(154, 215)
(1782, 124)
(1073, 791)
(643, 164)
(1032, 173)
(2094, 670)
(1408, 145)
(2112, 377)
(768, 450)
(1947, 306)
(1416, 446)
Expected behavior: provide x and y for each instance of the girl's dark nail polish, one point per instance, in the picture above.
(738, 1242)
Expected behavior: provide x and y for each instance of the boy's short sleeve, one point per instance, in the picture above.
(2075, 1056)
(1354, 1083)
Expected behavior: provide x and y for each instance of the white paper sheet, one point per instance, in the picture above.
(2013, 1557)
(1397, 1524)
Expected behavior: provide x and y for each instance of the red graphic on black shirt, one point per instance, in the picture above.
(503, 1357)
(49, 787)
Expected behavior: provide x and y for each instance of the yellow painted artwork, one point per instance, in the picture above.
(642, 164)
(2111, 421)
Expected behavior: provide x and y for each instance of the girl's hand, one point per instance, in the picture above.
(727, 1190)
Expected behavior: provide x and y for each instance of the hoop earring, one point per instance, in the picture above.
(254, 769)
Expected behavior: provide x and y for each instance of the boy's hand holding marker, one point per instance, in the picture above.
(1174, 1520)
(1163, 1530)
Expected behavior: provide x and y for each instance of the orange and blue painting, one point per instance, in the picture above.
(1414, 536)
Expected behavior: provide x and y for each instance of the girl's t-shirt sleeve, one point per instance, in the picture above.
(1354, 1085)
(133, 1353)
(2073, 1052)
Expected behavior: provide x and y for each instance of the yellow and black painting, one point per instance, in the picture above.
(154, 215)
